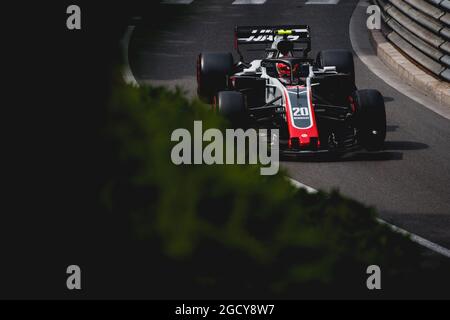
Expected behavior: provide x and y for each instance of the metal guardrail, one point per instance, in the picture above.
(421, 29)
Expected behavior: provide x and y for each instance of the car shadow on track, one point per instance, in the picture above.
(404, 145)
(391, 151)
(391, 128)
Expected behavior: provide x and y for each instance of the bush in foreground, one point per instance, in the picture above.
(199, 231)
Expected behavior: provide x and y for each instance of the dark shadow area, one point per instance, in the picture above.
(165, 47)
(388, 99)
(374, 156)
(404, 145)
(391, 128)
(149, 56)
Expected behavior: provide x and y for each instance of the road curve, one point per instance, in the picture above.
(409, 182)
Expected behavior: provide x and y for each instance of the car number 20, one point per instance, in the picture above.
(300, 111)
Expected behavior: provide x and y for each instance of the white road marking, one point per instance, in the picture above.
(127, 73)
(300, 185)
(417, 239)
(322, 2)
(423, 242)
(249, 1)
(177, 1)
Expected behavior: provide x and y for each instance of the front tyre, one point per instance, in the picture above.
(213, 70)
(370, 119)
(231, 105)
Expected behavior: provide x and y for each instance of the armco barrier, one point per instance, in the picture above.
(421, 29)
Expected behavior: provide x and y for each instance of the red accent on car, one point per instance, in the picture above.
(313, 116)
(352, 103)
(303, 135)
(214, 104)
(295, 87)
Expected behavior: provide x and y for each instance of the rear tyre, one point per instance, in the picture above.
(370, 119)
(231, 105)
(341, 59)
(213, 70)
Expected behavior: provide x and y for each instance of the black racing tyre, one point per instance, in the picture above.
(213, 70)
(370, 119)
(341, 59)
(231, 104)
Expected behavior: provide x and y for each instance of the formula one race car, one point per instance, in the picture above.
(314, 103)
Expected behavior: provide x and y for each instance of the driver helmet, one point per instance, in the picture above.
(284, 71)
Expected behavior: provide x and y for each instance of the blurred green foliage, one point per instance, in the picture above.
(225, 230)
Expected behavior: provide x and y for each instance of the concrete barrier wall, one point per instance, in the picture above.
(421, 29)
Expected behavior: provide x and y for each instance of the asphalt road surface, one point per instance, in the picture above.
(409, 182)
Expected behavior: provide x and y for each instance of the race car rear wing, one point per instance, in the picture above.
(245, 35)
